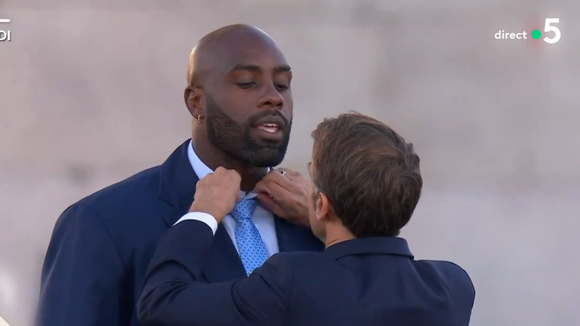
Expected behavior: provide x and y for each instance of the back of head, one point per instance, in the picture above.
(368, 172)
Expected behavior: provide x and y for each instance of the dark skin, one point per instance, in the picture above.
(238, 74)
(244, 72)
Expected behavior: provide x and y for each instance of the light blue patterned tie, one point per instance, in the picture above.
(250, 245)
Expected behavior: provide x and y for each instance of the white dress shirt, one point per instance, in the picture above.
(262, 218)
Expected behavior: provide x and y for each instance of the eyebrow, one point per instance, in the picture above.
(255, 68)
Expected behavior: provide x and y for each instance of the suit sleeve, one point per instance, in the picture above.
(82, 274)
(176, 295)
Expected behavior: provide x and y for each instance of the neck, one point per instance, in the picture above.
(337, 233)
(214, 158)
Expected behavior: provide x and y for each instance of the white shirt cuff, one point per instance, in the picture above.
(202, 217)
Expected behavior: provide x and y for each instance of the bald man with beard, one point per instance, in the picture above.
(239, 96)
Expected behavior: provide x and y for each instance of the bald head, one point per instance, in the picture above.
(239, 82)
(223, 46)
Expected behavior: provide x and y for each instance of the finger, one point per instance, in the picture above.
(261, 186)
(282, 181)
(287, 172)
(236, 176)
(232, 176)
(265, 186)
(277, 192)
(267, 201)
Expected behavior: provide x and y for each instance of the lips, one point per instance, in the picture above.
(270, 124)
(269, 127)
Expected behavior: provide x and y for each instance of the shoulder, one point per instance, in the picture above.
(291, 262)
(451, 273)
(287, 266)
(139, 189)
(295, 258)
(446, 268)
(115, 202)
(299, 257)
(142, 184)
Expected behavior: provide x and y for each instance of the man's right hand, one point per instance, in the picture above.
(217, 193)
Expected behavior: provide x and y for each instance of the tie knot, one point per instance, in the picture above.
(244, 209)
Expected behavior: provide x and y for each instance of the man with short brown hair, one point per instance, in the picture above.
(368, 171)
(366, 185)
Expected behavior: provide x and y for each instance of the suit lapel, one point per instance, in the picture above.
(295, 238)
(177, 182)
(224, 263)
(177, 188)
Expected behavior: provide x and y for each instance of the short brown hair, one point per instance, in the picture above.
(368, 172)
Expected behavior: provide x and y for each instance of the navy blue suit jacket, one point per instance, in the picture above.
(102, 245)
(365, 282)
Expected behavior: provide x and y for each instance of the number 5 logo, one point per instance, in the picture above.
(549, 28)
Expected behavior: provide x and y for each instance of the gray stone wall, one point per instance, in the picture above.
(92, 93)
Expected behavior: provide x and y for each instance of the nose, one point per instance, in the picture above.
(272, 99)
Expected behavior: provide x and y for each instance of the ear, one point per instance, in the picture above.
(322, 207)
(193, 97)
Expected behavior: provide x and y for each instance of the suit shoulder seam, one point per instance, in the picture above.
(103, 225)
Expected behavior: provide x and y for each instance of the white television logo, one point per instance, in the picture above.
(536, 34)
(549, 27)
(5, 36)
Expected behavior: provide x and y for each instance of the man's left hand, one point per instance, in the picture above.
(285, 193)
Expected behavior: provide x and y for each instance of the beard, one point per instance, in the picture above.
(236, 140)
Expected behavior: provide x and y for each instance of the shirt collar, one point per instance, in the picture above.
(373, 245)
(201, 170)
